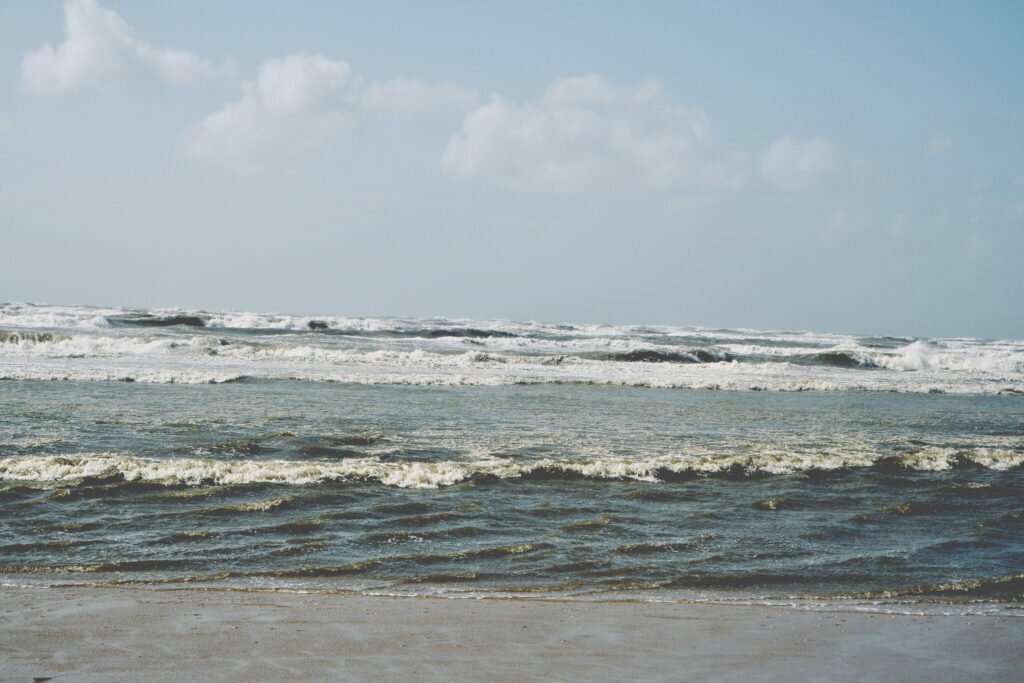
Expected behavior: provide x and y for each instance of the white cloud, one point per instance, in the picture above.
(300, 104)
(295, 105)
(587, 133)
(101, 52)
(792, 163)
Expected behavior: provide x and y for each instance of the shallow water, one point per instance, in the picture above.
(581, 488)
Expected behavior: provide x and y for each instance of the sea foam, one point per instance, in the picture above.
(82, 344)
(71, 469)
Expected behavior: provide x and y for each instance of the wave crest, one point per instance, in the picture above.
(652, 356)
(72, 469)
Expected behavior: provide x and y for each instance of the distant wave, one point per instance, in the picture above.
(157, 321)
(461, 374)
(78, 469)
(30, 337)
(190, 346)
(840, 359)
(313, 325)
(420, 333)
(651, 356)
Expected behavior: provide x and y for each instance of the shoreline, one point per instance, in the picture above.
(122, 633)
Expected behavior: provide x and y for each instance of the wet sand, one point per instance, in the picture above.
(130, 634)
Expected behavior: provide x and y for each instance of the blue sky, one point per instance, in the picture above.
(854, 167)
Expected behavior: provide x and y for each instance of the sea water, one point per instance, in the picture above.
(469, 458)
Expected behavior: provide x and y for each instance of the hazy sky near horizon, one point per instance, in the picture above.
(853, 167)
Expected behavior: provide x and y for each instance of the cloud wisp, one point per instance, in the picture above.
(299, 104)
(588, 133)
(101, 52)
(792, 164)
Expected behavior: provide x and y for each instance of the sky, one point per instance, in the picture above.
(852, 167)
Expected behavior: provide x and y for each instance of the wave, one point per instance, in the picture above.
(997, 358)
(155, 376)
(101, 567)
(22, 337)
(86, 469)
(85, 346)
(411, 332)
(240, 446)
(485, 553)
(490, 370)
(466, 332)
(337, 327)
(189, 346)
(996, 363)
(840, 359)
(1006, 587)
(53, 317)
(157, 321)
(651, 356)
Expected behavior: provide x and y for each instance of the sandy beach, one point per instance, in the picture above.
(121, 634)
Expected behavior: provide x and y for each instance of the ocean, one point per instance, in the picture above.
(470, 458)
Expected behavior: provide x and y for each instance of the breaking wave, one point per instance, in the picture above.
(840, 359)
(651, 356)
(157, 321)
(72, 469)
(188, 346)
(489, 370)
(29, 337)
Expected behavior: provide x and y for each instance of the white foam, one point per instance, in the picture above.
(84, 348)
(31, 316)
(423, 475)
(993, 358)
(437, 370)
